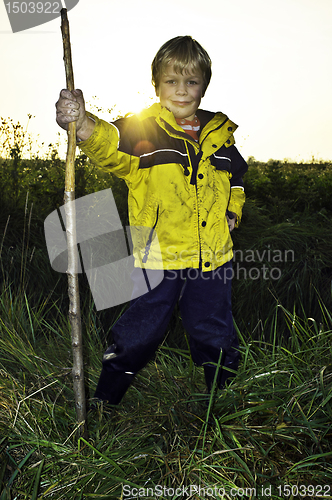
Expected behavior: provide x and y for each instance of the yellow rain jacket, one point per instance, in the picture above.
(179, 188)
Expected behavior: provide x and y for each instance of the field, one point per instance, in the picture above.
(266, 436)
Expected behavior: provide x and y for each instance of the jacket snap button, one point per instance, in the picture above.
(200, 176)
(207, 264)
(203, 223)
(228, 142)
(214, 145)
(230, 129)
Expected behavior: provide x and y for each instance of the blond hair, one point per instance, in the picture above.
(184, 52)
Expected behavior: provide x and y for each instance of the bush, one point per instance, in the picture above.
(286, 189)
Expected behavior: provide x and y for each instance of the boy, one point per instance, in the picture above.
(184, 176)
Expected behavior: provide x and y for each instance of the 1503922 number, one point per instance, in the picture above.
(33, 7)
(301, 490)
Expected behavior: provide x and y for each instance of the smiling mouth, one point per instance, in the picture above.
(181, 103)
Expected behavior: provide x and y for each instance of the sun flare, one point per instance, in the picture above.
(135, 102)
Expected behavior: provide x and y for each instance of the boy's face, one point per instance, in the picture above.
(179, 93)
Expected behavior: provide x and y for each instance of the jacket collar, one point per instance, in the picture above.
(210, 122)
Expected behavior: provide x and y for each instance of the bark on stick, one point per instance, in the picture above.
(69, 200)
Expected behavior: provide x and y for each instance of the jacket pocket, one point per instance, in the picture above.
(150, 238)
(150, 213)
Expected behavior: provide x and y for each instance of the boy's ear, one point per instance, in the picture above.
(157, 91)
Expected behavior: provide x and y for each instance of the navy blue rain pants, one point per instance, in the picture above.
(205, 306)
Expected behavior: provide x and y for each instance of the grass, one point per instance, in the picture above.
(270, 427)
(290, 263)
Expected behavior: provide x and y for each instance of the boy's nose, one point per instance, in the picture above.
(181, 89)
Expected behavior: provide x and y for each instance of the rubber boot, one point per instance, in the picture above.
(209, 373)
(112, 386)
(224, 376)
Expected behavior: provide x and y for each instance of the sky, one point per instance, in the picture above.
(271, 67)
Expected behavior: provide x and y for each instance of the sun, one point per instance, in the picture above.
(136, 102)
(126, 104)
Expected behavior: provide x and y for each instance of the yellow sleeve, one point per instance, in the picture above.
(236, 203)
(102, 149)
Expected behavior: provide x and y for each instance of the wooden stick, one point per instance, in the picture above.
(69, 200)
(70, 161)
